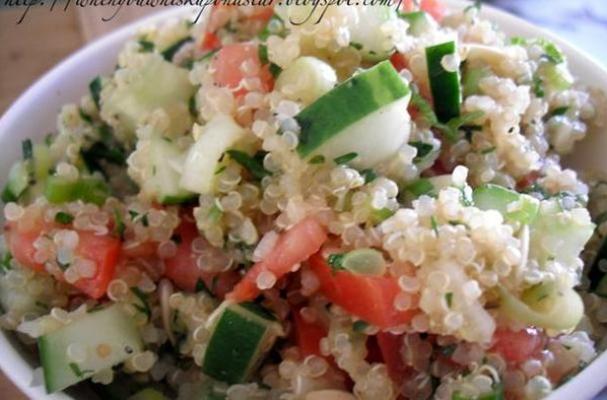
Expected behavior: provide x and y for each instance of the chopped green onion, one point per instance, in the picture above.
(421, 187)
(346, 158)
(449, 299)
(369, 175)
(63, 218)
(170, 52)
(146, 46)
(95, 89)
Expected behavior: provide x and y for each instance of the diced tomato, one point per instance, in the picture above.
(307, 334)
(391, 347)
(210, 42)
(140, 250)
(370, 298)
(104, 250)
(436, 8)
(293, 247)
(528, 180)
(517, 346)
(230, 63)
(183, 270)
(399, 62)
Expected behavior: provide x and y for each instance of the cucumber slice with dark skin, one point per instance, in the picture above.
(444, 85)
(348, 103)
(240, 339)
(108, 337)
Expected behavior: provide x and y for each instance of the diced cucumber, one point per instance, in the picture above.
(556, 77)
(558, 234)
(241, 335)
(548, 305)
(306, 79)
(427, 186)
(166, 163)
(89, 189)
(444, 85)
(102, 338)
(152, 83)
(512, 205)
(214, 138)
(368, 33)
(471, 79)
(18, 181)
(345, 120)
(148, 394)
(419, 22)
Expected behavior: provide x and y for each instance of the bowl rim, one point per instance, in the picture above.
(20, 372)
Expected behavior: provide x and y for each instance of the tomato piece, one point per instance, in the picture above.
(517, 346)
(140, 250)
(307, 334)
(294, 246)
(182, 269)
(391, 347)
(104, 251)
(229, 64)
(527, 180)
(399, 62)
(210, 42)
(370, 298)
(436, 8)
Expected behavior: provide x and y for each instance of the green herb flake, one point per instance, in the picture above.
(5, 262)
(538, 87)
(95, 90)
(518, 41)
(27, 149)
(346, 158)
(421, 187)
(119, 226)
(144, 307)
(357, 46)
(336, 261)
(559, 111)
(133, 214)
(201, 287)
(192, 106)
(423, 107)
(215, 213)
(423, 149)
(85, 117)
(317, 159)
(262, 53)
(434, 224)
(64, 218)
(552, 53)
(254, 164)
(220, 169)
(488, 150)
(170, 52)
(77, 371)
(8, 196)
(449, 299)
(275, 70)
(379, 216)
(369, 175)
(360, 326)
(146, 46)
(451, 129)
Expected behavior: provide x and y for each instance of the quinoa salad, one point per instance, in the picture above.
(362, 202)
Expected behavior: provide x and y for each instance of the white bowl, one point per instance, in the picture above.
(35, 112)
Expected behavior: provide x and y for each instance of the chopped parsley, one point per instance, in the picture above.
(5, 262)
(201, 287)
(119, 225)
(254, 164)
(421, 187)
(317, 159)
(369, 175)
(488, 150)
(262, 53)
(170, 52)
(215, 213)
(559, 111)
(346, 158)
(336, 261)
(85, 116)
(356, 45)
(275, 70)
(144, 307)
(538, 87)
(449, 299)
(146, 46)
(434, 225)
(64, 218)
(423, 149)
(95, 89)
(27, 148)
(220, 169)
(192, 106)
(360, 326)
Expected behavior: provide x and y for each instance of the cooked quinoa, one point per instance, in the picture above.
(367, 206)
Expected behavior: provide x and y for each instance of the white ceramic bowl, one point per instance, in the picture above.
(35, 112)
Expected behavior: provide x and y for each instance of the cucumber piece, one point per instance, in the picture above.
(547, 305)
(306, 79)
(367, 33)
(345, 120)
(444, 85)
(214, 138)
(166, 163)
(89, 189)
(107, 337)
(558, 234)
(427, 186)
(420, 22)
(556, 77)
(148, 394)
(152, 83)
(512, 205)
(18, 181)
(241, 335)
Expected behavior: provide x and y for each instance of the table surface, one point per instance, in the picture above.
(27, 54)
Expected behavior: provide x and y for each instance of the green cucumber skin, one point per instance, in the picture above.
(495, 197)
(230, 354)
(110, 326)
(88, 189)
(348, 103)
(444, 85)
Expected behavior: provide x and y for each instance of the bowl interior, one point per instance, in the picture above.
(34, 114)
